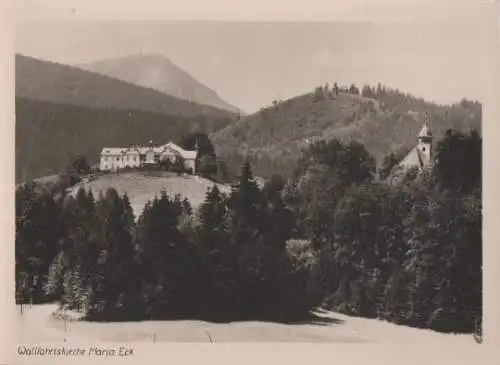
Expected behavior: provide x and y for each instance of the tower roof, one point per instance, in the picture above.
(425, 132)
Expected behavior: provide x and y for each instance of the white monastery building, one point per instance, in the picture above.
(115, 158)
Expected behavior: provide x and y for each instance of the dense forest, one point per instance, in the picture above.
(329, 235)
(383, 119)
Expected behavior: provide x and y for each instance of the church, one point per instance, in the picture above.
(420, 157)
(115, 158)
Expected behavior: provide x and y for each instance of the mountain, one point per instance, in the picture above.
(159, 73)
(49, 135)
(57, 83)
(383, 119)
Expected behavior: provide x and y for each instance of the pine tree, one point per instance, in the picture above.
(219, 271)
(167, 260)
(246, 217)
(115, 239)
(246, 198)
(39, 228)
(445, 260)
(458, 161)
(387, 165)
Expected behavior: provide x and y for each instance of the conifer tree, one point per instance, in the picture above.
(388, 163)
(246, 199)
(246, 217)
(116, 252)
(39, 228)
(167, 260)
(219, 271)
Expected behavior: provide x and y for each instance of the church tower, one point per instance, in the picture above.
(425, 143)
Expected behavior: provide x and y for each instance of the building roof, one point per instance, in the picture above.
(145, 149)
(425, 132)
(415, 158)
(188, 155)
(113, 151)
(174, 147)
(116, 151)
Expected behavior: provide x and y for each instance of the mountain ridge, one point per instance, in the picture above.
(156, 71)
(59, 83)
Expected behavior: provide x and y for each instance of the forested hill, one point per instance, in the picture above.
(49, 135)
(57, 83)
(383, 119)
(158, 72)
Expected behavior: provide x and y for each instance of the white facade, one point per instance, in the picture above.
(425, 142)
(420, 156)
(119, 158)
(137, 156)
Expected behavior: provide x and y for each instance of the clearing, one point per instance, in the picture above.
(141, 187)
(37, 324)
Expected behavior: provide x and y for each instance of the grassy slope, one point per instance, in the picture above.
(382, 125)
(49, 81)
(36, 325)
(140, 187)
(48, 135)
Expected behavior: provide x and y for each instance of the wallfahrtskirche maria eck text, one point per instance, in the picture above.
(38, 350)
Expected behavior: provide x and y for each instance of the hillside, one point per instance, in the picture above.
(48, 135)
(140, 187)
(49, 81)
(384, 122)
(159, 73)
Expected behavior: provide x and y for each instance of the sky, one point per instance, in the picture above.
(250, 64)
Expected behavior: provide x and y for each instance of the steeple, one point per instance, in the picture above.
(425, 133)
(425, 141)
(427, 124)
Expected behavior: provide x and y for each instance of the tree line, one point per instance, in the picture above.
(331, 235)
(225, 261)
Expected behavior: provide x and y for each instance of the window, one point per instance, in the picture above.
(118, 159)
(423, 149)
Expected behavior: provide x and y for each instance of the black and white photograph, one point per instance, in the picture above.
(248, 182)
